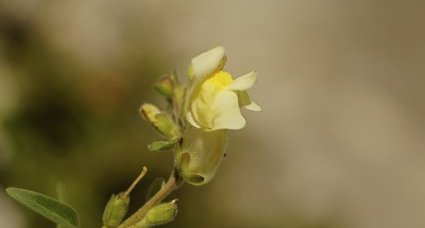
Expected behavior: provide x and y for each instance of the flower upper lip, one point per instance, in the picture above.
(213, 98)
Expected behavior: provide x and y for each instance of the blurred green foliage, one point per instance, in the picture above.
(94, 145)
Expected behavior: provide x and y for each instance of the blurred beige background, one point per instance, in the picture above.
(340, 141)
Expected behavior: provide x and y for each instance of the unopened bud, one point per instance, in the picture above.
(149, 112)
(117, 206)
(115, 210)
(158, 215)
(167, 126)
(162, 122)
(165, 86)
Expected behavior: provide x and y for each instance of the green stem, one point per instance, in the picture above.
(165, 190)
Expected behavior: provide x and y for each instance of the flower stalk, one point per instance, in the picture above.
(196, 126)
(165, 190)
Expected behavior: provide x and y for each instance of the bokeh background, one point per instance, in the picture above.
(340, 141)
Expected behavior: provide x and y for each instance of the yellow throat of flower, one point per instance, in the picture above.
(220, 80)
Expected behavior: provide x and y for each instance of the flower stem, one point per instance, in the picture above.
(133, 185)
(165, 190)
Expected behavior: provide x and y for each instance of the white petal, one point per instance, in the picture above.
(191, 120)
(206, 63)
(227, 114)
(201, 109)
(244, 82)
(201, 67)
(246, 101)
(253, 107)
(216, 109)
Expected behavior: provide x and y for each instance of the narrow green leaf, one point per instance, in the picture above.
(161, 145)
(46, 206)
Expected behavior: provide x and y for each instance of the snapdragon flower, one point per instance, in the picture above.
(212, 107)
(214, 98)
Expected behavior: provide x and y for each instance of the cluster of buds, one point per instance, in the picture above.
(117, 207)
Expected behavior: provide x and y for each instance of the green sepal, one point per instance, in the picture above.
(115, 211)
(46, 206)
(161, 145)
(179, 95)
(167, 126)
(159, 215)
(165, 86)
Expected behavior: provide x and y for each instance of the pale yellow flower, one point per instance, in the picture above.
(212, 106)
(200, 154)
(214, 98)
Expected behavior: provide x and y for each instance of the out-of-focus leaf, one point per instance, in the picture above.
(154, 187)
(60, 192)
(165, 86)
(46, 206)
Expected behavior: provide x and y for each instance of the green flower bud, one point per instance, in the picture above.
(166, 125)
(200, 154)
(162, 122)
(115, 210)
(159, 215)
(165, 86)
(149, 112)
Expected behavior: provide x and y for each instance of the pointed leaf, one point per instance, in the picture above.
(46, 206)
(161, 145)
